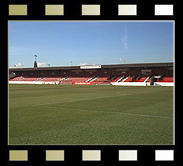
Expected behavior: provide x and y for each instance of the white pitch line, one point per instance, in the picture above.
(118, 113)
(70, 101)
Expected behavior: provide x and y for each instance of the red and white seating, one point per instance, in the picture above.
(30, 79)
(16, 78)
(52, 79)
(116, 79)
(141, 79)
(101, 80)
(166, 79)
(129, 79)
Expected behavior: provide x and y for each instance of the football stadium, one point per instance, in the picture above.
(92, 104)
(95, 82)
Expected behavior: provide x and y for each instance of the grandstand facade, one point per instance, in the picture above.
(119, 74)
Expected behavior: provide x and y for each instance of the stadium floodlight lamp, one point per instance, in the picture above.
(35, 57)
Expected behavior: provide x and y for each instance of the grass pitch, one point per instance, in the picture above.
(84, 115)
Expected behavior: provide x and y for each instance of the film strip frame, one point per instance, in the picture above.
(88, 154)
(96, 9)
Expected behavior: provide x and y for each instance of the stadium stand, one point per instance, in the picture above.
(120, 74)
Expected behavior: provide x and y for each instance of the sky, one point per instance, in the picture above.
(66, 43)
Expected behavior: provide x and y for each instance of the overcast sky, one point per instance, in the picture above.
(89, 42)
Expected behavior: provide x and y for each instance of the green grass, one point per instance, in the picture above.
(67, 114)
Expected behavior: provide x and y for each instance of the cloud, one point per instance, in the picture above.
(43, 64)
(122, 60)
(18, 65)
(125, 37)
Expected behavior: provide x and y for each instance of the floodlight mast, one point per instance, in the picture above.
(35, 63)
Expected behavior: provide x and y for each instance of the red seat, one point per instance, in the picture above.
(142, 79)
(166, 79)
(129, 79)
